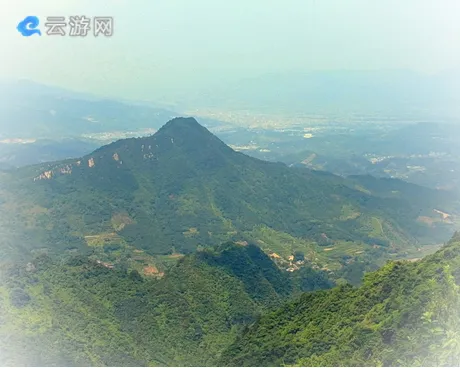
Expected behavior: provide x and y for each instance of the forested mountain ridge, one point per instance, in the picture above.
(405, 314)
(76, 311)
(229, 305)
(183, 188)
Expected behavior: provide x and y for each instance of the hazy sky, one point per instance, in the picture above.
(161, 44)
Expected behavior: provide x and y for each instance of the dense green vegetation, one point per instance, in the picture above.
(230, 305)
(182, 188)
(78, 312)
(404, 314)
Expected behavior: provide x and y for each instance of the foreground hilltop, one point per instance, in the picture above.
(405, 314)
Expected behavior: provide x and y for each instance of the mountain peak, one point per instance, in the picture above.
(183, 133)
(182, 122)
(188, 133)
(182, 127)
(182, 141)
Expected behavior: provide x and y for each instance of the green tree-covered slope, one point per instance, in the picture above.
(79, 312)
(405, 314)
(229, 306)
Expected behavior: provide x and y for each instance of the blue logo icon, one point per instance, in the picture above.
(27, 27)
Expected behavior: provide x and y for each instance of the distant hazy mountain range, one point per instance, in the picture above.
(30, 110)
